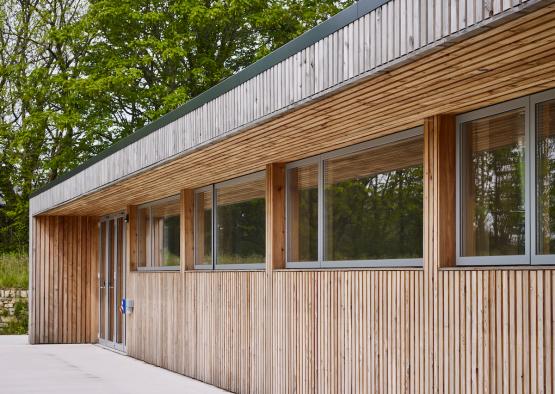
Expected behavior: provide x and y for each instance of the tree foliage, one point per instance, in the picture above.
(77, 75)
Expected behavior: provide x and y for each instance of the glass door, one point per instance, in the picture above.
(111, 280)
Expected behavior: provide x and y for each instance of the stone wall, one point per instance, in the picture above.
(13, 311)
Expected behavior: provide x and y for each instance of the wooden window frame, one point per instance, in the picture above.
(319, 160)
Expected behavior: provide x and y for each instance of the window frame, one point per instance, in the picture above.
(320, 160)
(150, 205)
(535, 258)
(214, 205)
(530, 257)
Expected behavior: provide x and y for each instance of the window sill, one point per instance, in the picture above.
(387, 264)
(529, 267)
(220, 270)
(340, 269)
(157, 269)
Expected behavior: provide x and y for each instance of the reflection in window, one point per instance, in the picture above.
(302, 213)
(241, 221)
(203, 228)
(492, 185)
(373, 203)
(158, 234)
(545, 177)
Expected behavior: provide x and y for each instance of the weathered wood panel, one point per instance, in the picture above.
(390, 34)
(360, 331)
(348, 332)
(63, 282)
(207, 325)
(496, 330)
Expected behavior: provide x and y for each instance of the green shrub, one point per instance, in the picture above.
(14, 271)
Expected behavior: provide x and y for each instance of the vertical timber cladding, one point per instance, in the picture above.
(496, 331)
(357, 331)
(206, 325)
(440, 329)
(64, 305)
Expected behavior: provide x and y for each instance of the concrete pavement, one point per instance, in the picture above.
(84, 369)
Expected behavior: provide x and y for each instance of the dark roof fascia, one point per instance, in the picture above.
(305, 40)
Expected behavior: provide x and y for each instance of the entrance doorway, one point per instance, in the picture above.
(111, 280)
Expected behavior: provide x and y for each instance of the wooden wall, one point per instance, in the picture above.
(63, 280)
(206, 325)
(497, 331)
(356, 331)
(438, 329)
(365, 331)
(348, 332)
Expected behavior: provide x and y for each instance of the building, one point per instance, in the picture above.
(370, 208)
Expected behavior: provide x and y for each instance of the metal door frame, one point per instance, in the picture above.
(112, 342)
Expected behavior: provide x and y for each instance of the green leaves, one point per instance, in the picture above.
(77, 75)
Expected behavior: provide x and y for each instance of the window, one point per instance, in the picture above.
(203, 228)
(159, 234)
(302, 213)
(359, 206)
(492, 185)
(506, 173)
(236, 229)
(545, 177)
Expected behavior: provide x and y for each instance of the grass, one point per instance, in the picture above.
(14, 271)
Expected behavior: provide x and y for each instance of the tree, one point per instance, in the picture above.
(38, 125)
(76, 76)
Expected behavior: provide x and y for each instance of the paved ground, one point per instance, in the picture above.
(83, 369)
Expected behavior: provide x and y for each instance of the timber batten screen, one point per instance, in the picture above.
(63, 280)
(431, 327)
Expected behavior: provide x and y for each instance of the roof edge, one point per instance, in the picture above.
(305, 40)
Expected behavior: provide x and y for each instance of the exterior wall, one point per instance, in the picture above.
(350, 331)
(497, 329)
(439, 329)
(63, 280)
(396, 31)
(209, 326)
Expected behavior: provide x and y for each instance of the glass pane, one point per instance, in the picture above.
(302, 215)
(241, 218)
(203, 228)
(492, 185)
(102, 280)
(165, 234)
(158, 229)
(373, 203)
(545, 177)
(119, 276)
(111, 274)
(143, 242)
